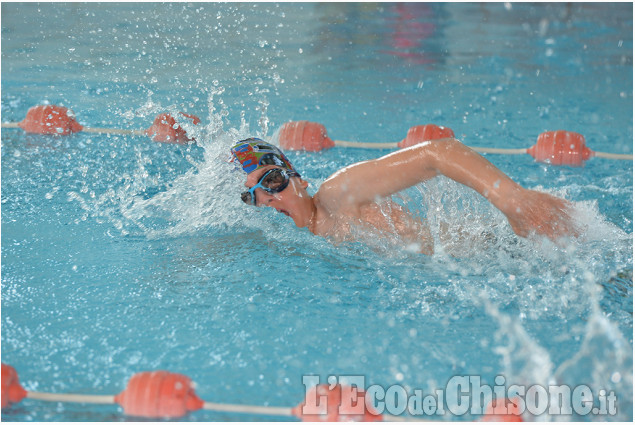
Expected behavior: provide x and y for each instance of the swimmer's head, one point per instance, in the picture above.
(253, 154)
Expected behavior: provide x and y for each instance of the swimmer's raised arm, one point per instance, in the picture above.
(367, 181)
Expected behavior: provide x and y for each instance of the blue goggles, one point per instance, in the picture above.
(273, 181)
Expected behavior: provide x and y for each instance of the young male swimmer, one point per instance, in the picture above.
(360, 193)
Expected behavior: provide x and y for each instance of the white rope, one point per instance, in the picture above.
(614, 155)
(217, 407)
(363, 145)
(90, 130)
(72, 398)
(345, 144)
(110, 399)
(114, 131)
(393, 145)
(238, 408)
(501, 151)
(521, 151)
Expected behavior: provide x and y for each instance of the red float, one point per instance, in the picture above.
(165, 129)
(502, 410)
(159, 394)
(50, 119)
(422, 133)
(12, 391)
(340, 403)
(561, 148)
(304, 135)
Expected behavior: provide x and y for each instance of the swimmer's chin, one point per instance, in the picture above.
(296, 221)
(288, 214)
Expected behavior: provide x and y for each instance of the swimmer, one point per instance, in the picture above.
(360, 193)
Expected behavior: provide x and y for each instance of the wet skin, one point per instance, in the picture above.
(358, 193)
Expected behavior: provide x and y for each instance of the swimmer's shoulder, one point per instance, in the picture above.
(337, 192)
(334, 200)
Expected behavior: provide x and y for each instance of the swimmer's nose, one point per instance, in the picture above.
(267, 199)
(263, 199)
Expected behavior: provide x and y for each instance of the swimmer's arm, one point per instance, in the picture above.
(371, 180)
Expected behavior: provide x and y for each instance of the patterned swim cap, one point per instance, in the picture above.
(254, 153)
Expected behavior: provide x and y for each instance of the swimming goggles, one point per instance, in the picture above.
(273, 181)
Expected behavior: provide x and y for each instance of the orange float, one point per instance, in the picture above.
(422, 133)
(165, 129)
(561, 148)
(159, 394)
(12, 391)
(50, 119)
(326, 405)
(304, 135)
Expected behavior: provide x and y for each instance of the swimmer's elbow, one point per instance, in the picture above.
(435, 155)
(448, 143)
(439, 147)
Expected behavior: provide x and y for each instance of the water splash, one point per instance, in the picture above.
(524, 361)
(604, 362)
(145, 203)
(479, 265)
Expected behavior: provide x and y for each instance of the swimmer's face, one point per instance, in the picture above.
(287, 202)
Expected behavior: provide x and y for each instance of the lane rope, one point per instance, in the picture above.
(163, 394)
(394, 145)
(553, 147)
(61, 121)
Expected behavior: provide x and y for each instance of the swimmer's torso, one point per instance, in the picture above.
(383, 219)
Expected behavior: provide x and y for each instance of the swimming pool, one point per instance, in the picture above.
(121, 255)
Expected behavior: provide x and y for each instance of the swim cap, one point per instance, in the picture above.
(254, 153)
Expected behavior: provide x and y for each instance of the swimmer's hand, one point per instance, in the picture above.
(531, 211)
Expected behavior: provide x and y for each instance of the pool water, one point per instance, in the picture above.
(121, 255)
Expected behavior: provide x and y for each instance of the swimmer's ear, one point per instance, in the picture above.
(303, 182)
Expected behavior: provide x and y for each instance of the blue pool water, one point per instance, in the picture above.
(121, 255)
